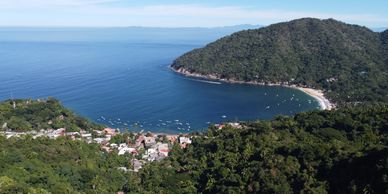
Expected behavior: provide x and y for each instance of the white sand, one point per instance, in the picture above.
(318, 95)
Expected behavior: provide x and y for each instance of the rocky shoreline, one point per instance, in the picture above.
(319, 95)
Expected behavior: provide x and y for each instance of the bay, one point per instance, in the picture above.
(120, 78)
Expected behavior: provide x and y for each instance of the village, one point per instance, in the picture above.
(152, 147)
(144, 148)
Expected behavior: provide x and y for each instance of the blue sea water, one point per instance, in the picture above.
(123, 80)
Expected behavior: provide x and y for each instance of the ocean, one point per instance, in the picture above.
(120, 78)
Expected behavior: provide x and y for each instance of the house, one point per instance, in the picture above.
(171, 138)
(149, 141)
(140, 141)
(108, 137)
(219, 126)
(86, 135)
(72, 133)
(235, 125)
(184, 141)
(163, 149)
(98, 132)
(99, 140)
(124, 150)
(53, 134)
(110, 131)
(150, 154)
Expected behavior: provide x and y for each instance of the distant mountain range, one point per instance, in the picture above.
(195, 35)
(349, 62)
(379, 29)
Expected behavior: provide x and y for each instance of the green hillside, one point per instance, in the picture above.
(348, 61)
(338, 151)
(27, 115)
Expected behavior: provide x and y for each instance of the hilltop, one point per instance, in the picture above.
(349, 62)
(27, 115)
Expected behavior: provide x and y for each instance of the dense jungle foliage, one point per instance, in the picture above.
(27, 115)
(349, 62)
(339, 151)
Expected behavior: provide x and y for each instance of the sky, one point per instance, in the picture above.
(186, 13)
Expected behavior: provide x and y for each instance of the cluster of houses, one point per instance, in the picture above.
(143, 147)
(104, 136)
(146, 148)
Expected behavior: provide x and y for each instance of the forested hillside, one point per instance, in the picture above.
(340, 151)
(26, 115)
(348, 61)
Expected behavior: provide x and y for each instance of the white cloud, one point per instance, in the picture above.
(89, 11)
(49, 3)
(241, 14)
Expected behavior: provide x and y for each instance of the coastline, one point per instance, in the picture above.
(318, 95)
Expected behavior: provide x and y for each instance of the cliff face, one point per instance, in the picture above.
(346, 60)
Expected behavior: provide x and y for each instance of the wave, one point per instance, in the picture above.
(205, 81)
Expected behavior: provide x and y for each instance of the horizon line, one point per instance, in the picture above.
(127, 26)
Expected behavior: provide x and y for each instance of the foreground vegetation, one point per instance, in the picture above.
(343, 151)
(340, 151)
(349, 62)
(26, 115)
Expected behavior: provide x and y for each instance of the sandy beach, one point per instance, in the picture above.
(324, 103)
(319, 95)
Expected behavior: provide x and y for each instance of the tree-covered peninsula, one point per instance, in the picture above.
(27, 115)
(349, 62)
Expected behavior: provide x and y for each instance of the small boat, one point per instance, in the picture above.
(223, 116)
(267, 107)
